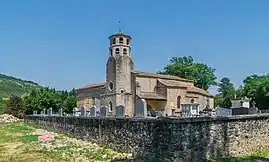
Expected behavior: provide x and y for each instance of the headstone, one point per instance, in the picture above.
(84, 111)
(223, 111)
(253, 110)
(103, 111)
(50, 111)
(44, 111)
(140, 108)
(61, 112)
(34, 112)
(41, 113)
(120, 111)
(75, 111)
(93, 111)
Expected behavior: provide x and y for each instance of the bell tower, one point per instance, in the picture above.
(118, 90)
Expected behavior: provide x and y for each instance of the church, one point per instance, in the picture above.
(123, 86)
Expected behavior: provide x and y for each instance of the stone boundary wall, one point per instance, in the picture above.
(167, 139)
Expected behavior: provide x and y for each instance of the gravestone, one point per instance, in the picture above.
(140, 108)
(44, 111)
(253, 109)
(50, 112)
(41, 113)
(93, 111)
(34, 112)
(120, 111)
(84, 111)
(75, 110)
(61, 112)
(223, 111)
(103, 111)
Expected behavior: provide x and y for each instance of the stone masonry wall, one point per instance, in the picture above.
(167, 139)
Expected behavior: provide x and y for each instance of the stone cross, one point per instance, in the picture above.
(61, 112)
(140, 108)
(84, 111)
(93, 111)
(253, 104)
(120, 111)
(103, 111)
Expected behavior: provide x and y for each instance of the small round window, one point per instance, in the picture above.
(192, 100)
(110, 86)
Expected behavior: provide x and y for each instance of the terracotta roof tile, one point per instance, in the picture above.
(93, 85)
(152, 95)
(198, 90)
(161, 76)
(172, 83)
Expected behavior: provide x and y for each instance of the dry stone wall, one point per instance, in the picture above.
(167, 139)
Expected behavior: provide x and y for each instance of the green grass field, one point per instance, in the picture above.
(19, 143)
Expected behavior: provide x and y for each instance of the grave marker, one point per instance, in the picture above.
(103, 111)
(84, 111)
(120, 111)
(93, 111)
(140, 108)
(61, 112)
(50, 112)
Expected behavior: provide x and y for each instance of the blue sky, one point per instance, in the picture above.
(64, 43)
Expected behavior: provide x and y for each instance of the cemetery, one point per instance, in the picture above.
(190, 137)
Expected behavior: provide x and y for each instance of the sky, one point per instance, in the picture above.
(64, 43)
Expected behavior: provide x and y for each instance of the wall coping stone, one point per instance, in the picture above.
(171, 119)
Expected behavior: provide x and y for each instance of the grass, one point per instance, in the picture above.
(19, 143)
(260, 155)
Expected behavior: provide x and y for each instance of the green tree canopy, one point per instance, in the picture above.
(39, 99)
(226, 93)
(14, 106)
(185, 67)
(257, 88)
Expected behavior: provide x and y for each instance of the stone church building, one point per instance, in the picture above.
(124, 85)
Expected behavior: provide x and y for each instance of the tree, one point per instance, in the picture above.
(38, 99)
(185, 67)
(257, 88)
(14, 106)
(226, 93)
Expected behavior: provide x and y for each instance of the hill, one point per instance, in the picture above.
(14, 86)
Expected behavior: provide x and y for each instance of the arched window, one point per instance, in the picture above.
(125, 51)
(114, 41)
(178, 101)
(110, 106)
(121, 40)
(117, 51)
(121, 90)
(110, 86)
(127, 41)
(111, 52)
(192, 100)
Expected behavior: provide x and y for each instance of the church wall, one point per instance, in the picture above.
(147, 84)
(86, 95)
(105, 102)
(157, 105)
(202, 100)
(172, 94)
